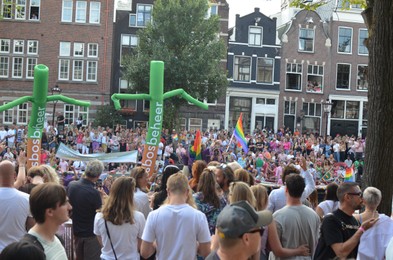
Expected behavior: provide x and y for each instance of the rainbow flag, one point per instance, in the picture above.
(349, 176)
(239, 134)
(196, 148)
(175, 137)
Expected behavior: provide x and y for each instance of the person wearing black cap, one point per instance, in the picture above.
(239, 230)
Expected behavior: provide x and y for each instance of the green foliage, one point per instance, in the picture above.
(107, 115)
(188, 44)
(303, 4)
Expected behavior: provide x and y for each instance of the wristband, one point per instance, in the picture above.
(362, 229)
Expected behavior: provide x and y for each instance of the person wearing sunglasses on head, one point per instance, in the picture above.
(340, 231)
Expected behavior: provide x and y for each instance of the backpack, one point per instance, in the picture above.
(32, 240)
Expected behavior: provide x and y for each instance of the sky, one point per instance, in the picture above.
(244, 7)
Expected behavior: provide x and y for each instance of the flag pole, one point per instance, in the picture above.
(230, 141)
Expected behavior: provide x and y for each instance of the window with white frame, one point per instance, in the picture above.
(6, 9)
(315, 78)
(91, 71)
(128, 43)
(213, 10)
(19, 46)
(66, 11)
(143, 15)
(4, 67)
(183, 123)
(35, 9)
(32, 47)
(363, 35)
(69, 114)
(343, 76)
(95, 11)
(65, 49)
(5, 45)
(194, 124)
(80, 12)
(129, 104)
(362, 77)
(31, 62)
(312, 109)
(8, 115)
(344, 40)
(265, 70)
(20, 9)
(79, 49)
(266, 101)
(289, 114)
(242, 69)
(92, 50)
(312, 117)
(64, 69)
(22, 113)
(293, 76)
(146, 105)
(124, 84)
(77, 72)
(306, 39)
(17, 67)
(342, 109)
(255, 35)
(83, 112)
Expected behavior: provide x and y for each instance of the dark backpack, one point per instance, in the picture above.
(33, 240)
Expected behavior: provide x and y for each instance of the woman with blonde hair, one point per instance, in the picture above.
(141, 198)
(119, 226)
(50, 174)
(238, 191)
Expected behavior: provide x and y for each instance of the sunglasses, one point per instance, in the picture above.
(260, 230)
(360, 194)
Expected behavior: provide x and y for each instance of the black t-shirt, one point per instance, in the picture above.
(336, 228)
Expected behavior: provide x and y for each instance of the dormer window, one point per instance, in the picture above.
(255, 35)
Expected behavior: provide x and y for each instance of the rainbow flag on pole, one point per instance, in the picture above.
(239, 134)
(197, 147)
(349, 176)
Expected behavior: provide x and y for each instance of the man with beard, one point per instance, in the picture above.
(224, 177)
(340, 231)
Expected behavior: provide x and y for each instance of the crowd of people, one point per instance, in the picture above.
(217, 207)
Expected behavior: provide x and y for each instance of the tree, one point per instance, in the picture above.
(107, 115)
(378, 17)
(188, 43)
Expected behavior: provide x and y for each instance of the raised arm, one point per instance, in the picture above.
(186, 96)
(117, 97)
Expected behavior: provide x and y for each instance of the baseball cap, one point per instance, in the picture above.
(239, 218)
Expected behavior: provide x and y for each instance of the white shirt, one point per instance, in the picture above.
(328, 206)
(374, 241)
(142, 203)
(12, 134)
(54, 250)
(176, 230)
(14, 208)
(124, 237)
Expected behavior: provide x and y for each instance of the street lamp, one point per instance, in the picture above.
(55, 90)
(327, 108)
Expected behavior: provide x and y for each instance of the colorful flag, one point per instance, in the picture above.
(175, 137)
(196, 148)
(239, 134)
(349, 176)
(327, 176)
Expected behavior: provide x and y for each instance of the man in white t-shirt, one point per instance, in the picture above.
(50, 208)
(3, 134)
(15, 218)
(178, 230)
(11, 136)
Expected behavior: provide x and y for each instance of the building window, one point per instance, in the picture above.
(242, 69)
(343, 76)
(124, 84)
(311, 122)
(19, 46)
(95, 11)
(65, 49)
(91, 71)
(129, 104)
(32, 47)
(294, 76)
(213, 10)
(5, 45)
(66, 11)
(356, 6)
(84, 113)
(289, 114)
(35, 9)
(255, 35)
(79, 49)
(143, 14)
(312, 109)
(4, 65)
(315, 78)
(31, 62)
(362, 78)
(266, 101)
(8, 115)
(183, 123)
(77, 73)
(146, 105)
(345, 109)
(128, 43)
(64, 69)
(69, 113)
(80, 13)
(265, 70)
(92, 50)
(17, 67)
(20, 9)
(306, 40)
(363, 35)
(195, 124)
(22, 113)
(6, 9)
(344, 40)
